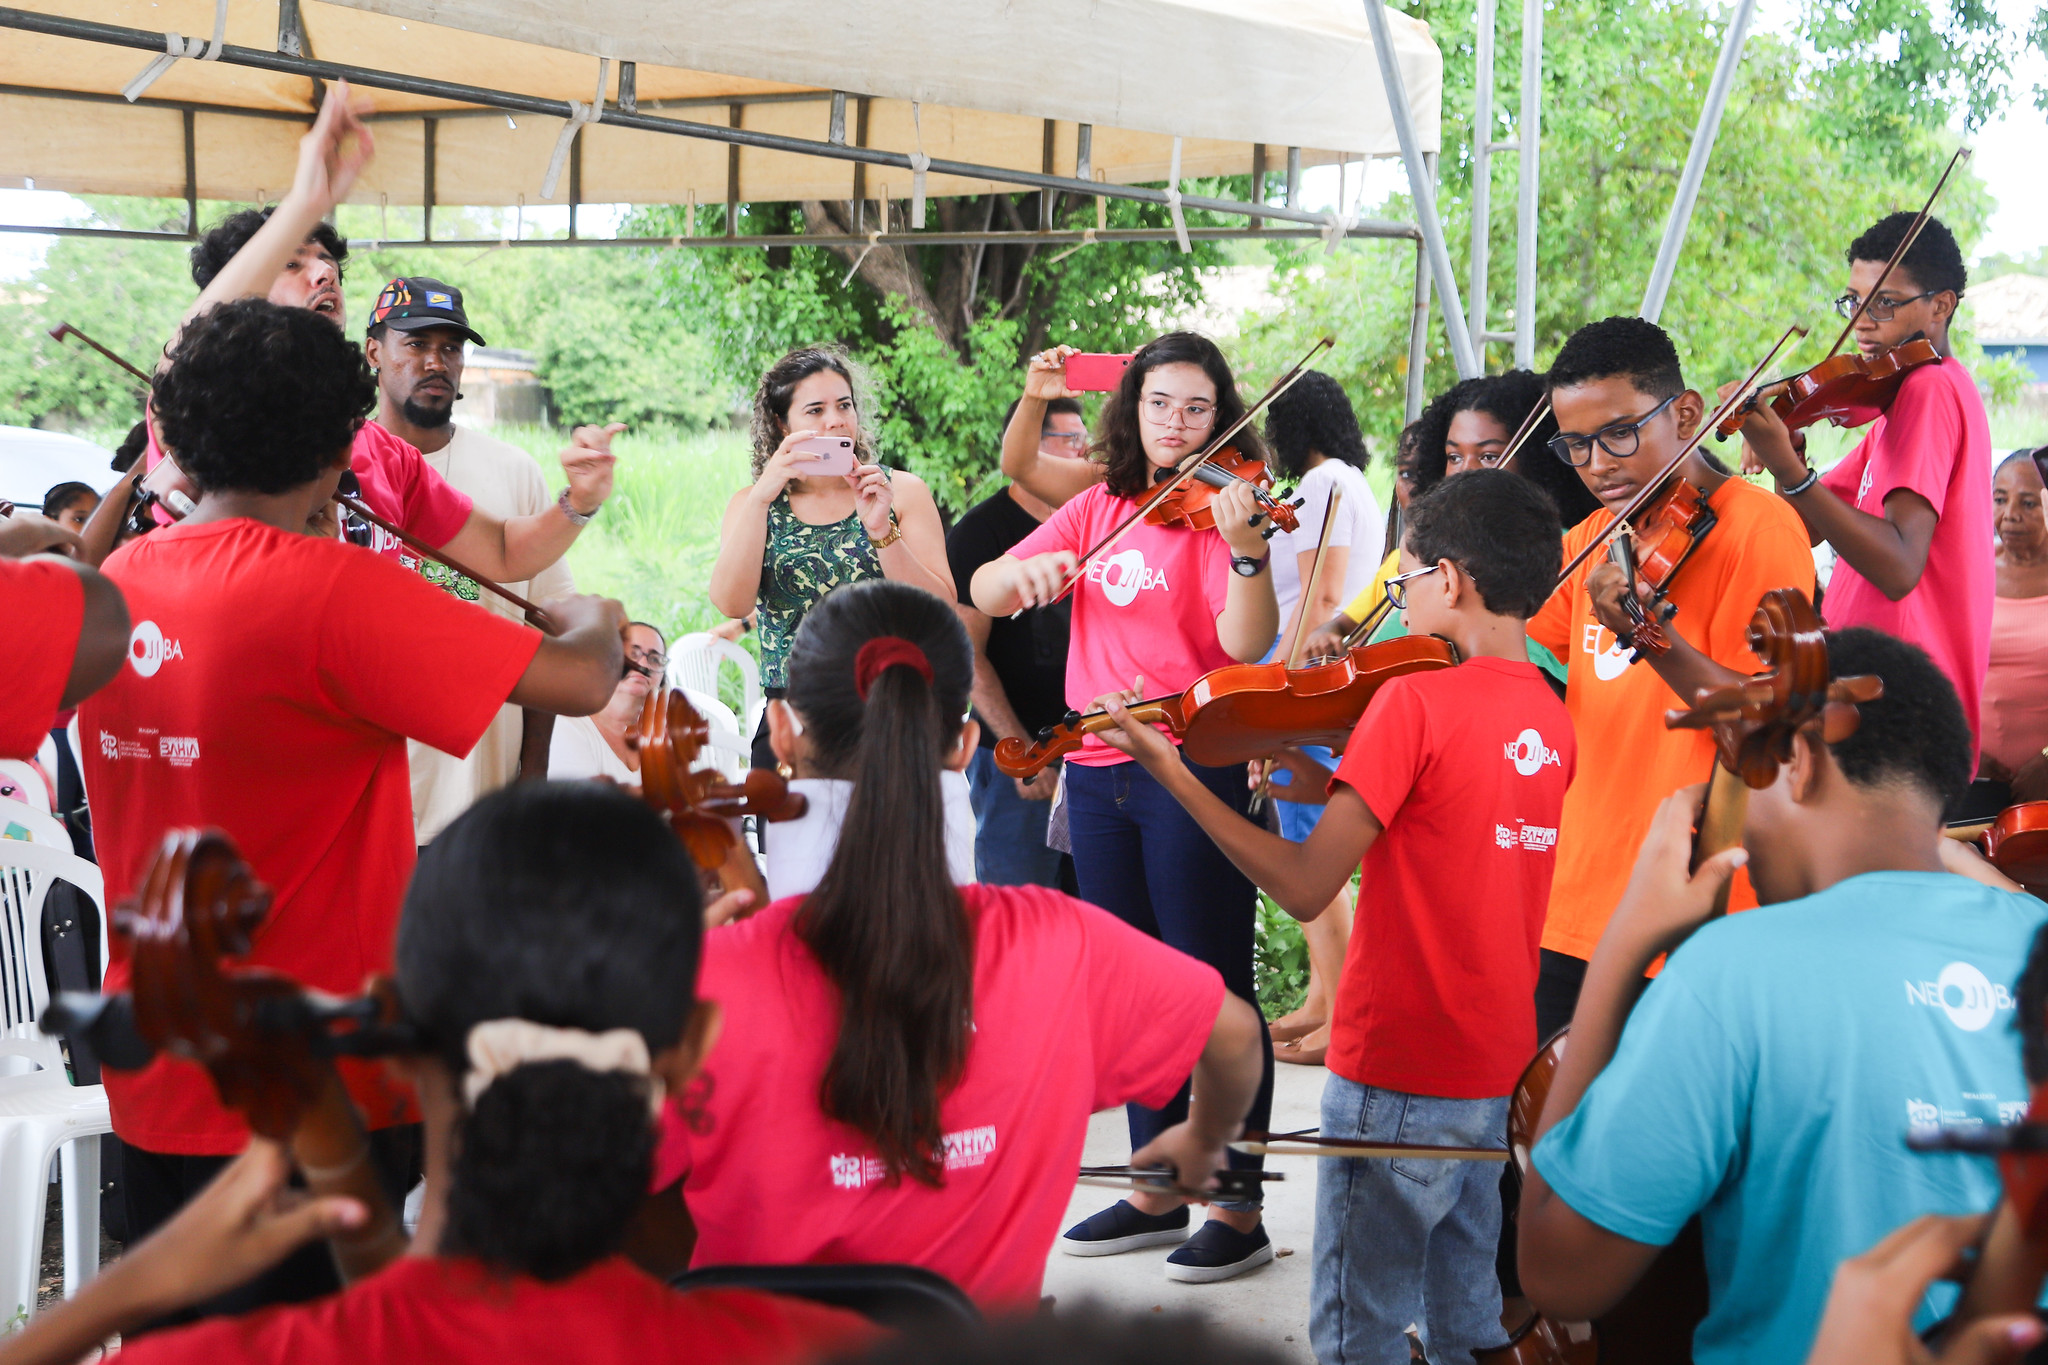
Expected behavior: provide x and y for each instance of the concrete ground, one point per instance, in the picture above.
(1270, 1304)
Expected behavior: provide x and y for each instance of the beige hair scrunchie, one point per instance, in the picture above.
(498, 1045)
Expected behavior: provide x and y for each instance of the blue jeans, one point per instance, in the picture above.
(1140, 856)
(1406, 1241)
(1009, 831)
(1298, 818)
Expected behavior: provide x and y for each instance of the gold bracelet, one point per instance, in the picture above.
(895, 533)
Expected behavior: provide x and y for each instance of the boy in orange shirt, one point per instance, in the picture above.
(1623, 411)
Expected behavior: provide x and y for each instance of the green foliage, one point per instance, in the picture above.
(1793, 179)
(1280, 960)
(941, 397)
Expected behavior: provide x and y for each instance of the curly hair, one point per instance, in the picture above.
(1314, 416)
(1934, 260)
(771, 401)
(213, 251)
(1621, 346)
(260, 397)
(1915, 733)
(1120, 446)
(1507, 398)
(1500, 529)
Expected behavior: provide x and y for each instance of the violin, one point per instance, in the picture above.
(1192, 504)
(2017, 843)
(1653, 548)
(1848, 390)
(268, 1044)
(1754, 724)
(703, 808)
(1246, 711)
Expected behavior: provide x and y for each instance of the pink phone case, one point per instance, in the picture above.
(830, 455)
(1095, 373)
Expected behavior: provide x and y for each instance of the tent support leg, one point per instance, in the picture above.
(1418, 335)
(1696, 160)
(1531, 136)
(1422, 190)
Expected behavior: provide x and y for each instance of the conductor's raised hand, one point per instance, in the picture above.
(1046, 375)
(337, 149)
(590, 465)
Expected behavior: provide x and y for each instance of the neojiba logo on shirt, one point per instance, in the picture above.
(1123, 576)
(148, 650)
(1970, 999)
(961, 1150)
(1527, 752)
(1611, 662)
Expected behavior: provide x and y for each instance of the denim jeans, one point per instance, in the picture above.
(1139, 855)
(1009, 830)
(1298, 818)
(1400, 1242)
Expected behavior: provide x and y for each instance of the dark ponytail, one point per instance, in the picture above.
(886, 924)
(571, 905)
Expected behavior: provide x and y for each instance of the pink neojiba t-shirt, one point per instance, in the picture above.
(1147, 608)
(1934, 441)
(1074, 1011)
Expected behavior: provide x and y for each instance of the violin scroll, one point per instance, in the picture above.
(702, 806)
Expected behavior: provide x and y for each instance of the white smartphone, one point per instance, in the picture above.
(829, 455)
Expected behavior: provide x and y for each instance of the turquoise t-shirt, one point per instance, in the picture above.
(1767, 1080)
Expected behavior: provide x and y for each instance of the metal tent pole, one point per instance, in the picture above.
(1418, 337)
(1422, 189)
(1482, 172)
(1696, 160)
(1528, 169)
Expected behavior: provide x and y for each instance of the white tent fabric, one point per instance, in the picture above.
(997, 85)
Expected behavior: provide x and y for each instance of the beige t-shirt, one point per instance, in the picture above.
(578, 750)
(503, 481)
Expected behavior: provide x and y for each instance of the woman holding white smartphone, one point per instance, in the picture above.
(821, 512)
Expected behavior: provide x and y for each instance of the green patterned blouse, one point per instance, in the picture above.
(800, 564)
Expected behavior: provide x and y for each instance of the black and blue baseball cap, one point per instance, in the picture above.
(413, 303)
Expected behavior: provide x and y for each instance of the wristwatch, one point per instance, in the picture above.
(575, 517)
(895, 533)
(1245, 566)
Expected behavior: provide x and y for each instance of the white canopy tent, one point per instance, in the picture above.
(504, 102)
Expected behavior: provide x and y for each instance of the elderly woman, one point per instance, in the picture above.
(2016, 687)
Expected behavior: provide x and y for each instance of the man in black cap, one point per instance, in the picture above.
(416, 338)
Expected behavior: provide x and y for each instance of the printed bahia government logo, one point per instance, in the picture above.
(148, 650)
(1970, 999)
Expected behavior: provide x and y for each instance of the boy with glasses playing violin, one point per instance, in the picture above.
(1623, 412)
(1908, 512)
(1449, 790)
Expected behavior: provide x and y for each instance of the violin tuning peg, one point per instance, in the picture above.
(1299, 502)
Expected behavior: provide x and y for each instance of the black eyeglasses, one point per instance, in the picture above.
(1619, 439)
(1881, 307)
(1397, 586)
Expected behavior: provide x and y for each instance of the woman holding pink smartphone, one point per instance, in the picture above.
(822, 511)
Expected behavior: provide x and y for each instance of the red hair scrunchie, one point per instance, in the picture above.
(886, 652)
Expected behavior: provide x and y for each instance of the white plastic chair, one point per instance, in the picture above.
(693, 664)
(730, 751)
(46, 831)
(42, 1114)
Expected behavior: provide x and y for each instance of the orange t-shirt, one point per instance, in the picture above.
(1628, 761)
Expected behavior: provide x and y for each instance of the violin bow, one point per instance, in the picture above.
(1649, 490)
(1523, 433)
(65, 329)
(1185, 470)
(1292, 659)
(353, 504)
(1899, 252)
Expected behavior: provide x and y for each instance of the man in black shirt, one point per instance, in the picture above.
(1020, 676)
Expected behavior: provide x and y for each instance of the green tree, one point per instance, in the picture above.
(942, 330)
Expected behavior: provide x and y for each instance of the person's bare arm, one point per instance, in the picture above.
(519, 548)
(102, 637)
(1572, 1268)
(919, 558)
(331, 156)
(1250, 619)
(1302, 878)
(1053, 479)
(735, 586)
(103, 528)
(536, 735)
(1890, 551)
(1226, 1080)
(1323, 604)
(576, 672)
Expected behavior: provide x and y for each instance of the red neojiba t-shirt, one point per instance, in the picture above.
(45, 611)
(1466, 769)
(271, 684)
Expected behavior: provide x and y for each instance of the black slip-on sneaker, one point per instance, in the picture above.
(1121, 1227)
(1219, 1251)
